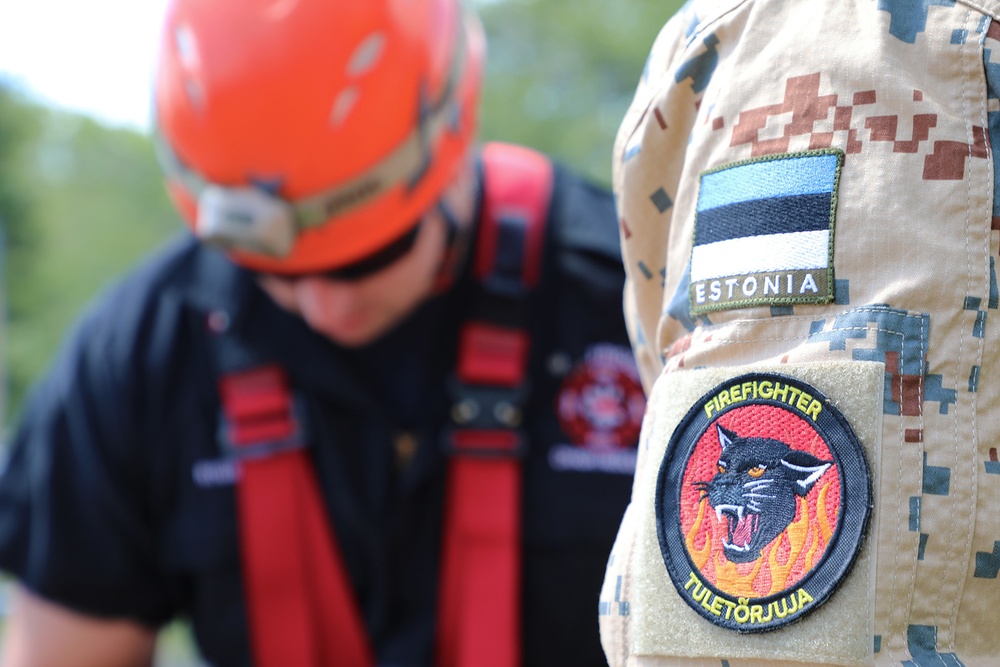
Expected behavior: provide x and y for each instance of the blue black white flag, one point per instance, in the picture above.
(764, 232)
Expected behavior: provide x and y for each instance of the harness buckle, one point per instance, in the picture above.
(294, 439)
(260, 416)
(486, 420)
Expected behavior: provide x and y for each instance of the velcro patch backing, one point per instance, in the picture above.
(764, 232)
(663, 622)
(763, 500)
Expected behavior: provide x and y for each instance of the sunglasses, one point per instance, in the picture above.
(378, 261)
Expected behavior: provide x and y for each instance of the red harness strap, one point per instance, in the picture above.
(479, 614)
(301, 606)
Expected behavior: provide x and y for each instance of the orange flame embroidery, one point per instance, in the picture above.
(782, 563)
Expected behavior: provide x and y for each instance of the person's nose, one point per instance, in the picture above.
(322, 298)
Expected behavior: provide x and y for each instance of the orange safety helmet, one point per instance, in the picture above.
(302, 135)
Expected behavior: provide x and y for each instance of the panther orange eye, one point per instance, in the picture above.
(721, 468)
(756, 471)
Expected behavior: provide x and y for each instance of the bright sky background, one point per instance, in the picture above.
(93, 56)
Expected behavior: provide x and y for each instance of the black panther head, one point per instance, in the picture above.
(755, 489)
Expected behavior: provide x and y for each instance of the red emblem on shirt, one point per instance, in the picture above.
(601, 402)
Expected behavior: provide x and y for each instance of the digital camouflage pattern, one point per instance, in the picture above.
(745, 247)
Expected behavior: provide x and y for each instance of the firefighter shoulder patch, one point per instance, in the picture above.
(762, 502)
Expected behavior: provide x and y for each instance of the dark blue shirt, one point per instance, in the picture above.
(117, 501)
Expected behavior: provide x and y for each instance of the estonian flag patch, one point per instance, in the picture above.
(764, 232)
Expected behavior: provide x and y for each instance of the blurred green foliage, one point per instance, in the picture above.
(93, 202)
(80, 202)
(560, 73)
(20, 128)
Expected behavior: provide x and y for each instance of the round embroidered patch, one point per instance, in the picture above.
(601, 402)
(762, 502)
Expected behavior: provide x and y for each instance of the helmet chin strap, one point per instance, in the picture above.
(457, 243)
(459, 206)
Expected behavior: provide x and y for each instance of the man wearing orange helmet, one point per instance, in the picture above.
(377, 408)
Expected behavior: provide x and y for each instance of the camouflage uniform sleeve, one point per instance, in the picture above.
(809, 209)
(645, 223)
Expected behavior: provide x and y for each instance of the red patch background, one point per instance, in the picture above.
(788, 558)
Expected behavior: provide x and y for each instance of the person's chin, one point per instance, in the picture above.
(353, 333)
